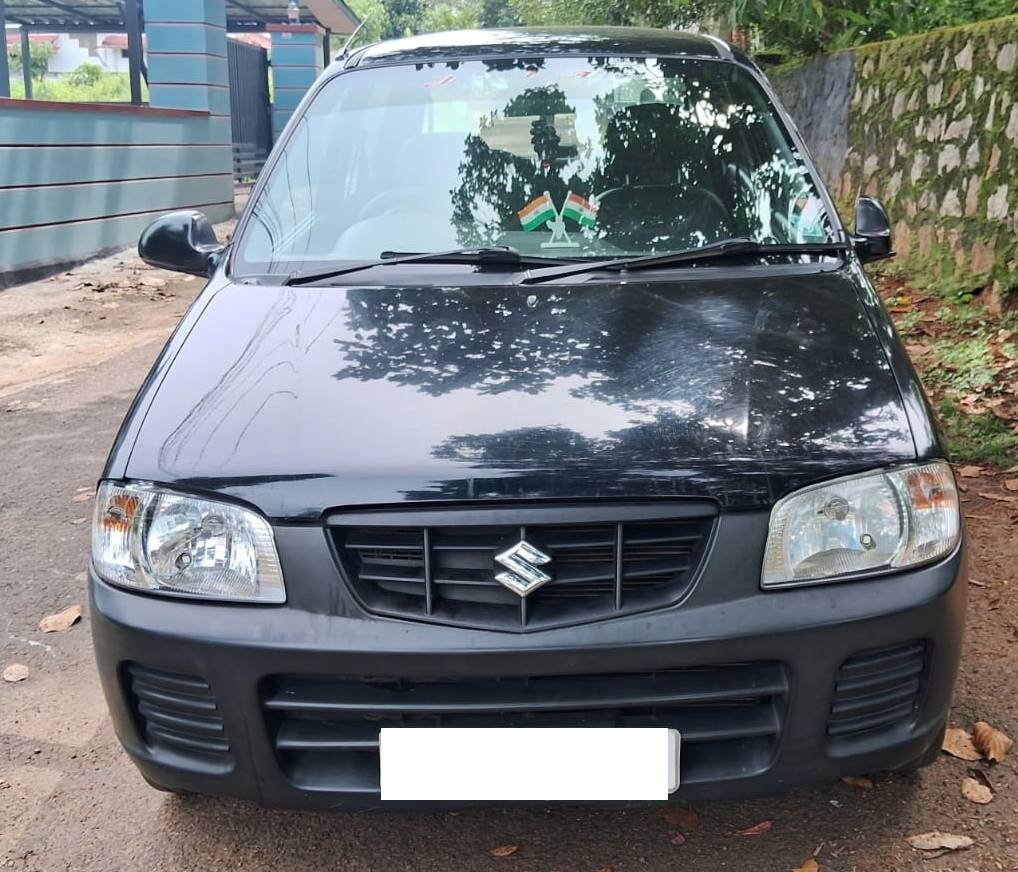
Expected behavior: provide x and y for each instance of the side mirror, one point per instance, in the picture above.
(872, 237)
(181, 241)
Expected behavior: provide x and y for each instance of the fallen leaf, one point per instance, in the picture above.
(683, 818)
(504, 850)
(970, 471)
(809, 865)
(958, 743)
(863, 782)
(81, 498)
(990, 742)
(937, 841)
(976, 583)
(999, 498)
(1011, 484)
(677, 839)
(61, 622)
(975, 791)
(756, 830)
(16, 672)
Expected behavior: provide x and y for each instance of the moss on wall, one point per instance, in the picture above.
(933, 132)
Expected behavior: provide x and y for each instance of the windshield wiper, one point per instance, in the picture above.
(736, 247)
(501, 257)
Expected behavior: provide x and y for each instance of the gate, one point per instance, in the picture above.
(249, 102)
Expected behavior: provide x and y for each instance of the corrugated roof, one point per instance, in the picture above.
(240, 14)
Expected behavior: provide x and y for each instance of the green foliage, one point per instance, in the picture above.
(452, 15)
(648, 13)
(87, 84)
(805, 28)
(86, 76)
(376, 18)
(795, 28)
(405, 18)
(981, 438)
(39, 54)
(967, 361)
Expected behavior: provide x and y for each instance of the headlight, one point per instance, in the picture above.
(878, 521)
(155, 540)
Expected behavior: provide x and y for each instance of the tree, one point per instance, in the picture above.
(406, 17)
(452, 15)
(39, 58)
(375, 17)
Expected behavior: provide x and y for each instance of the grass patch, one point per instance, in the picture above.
(968, 362)
(980, 438)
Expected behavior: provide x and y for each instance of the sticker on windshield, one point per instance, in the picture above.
(541, 211)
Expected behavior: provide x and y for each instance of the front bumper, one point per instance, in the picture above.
(291, 696)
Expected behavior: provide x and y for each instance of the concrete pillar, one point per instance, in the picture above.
(5, 73)
(188, 69)
(187, 65)
(297, 60)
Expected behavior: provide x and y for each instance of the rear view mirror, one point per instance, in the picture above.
(872, 237)
(181, 241)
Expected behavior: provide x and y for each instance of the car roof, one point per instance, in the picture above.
(541, 42)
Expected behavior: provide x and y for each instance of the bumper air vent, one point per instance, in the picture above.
(878, 690)
(177, 714)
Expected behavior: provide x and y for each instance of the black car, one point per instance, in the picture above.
(539, 421)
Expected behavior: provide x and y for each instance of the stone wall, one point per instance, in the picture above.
(930, 125)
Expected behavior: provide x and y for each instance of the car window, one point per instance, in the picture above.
(577, 157)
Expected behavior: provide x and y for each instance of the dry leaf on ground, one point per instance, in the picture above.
(677, 839)
(975, 791)
(958, 743)
(863, 782)
(16, 672)
(938, 841)
(1011, 484)
(970, 471)
(991, 742)
(61, 622)
(683, 818)
(756, 830)
(809, 865)
(504, 850)
(999, 498)
(82, 498)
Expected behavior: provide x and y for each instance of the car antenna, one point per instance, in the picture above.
(345, 50)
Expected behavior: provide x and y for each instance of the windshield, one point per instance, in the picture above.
(563, 157)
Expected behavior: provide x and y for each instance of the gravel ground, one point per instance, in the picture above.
(73, 350)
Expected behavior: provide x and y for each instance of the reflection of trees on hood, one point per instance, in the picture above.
(496, 184)
(770, 371)
(621, 345)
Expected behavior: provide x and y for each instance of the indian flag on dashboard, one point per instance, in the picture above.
(537, 212)
(582, 211)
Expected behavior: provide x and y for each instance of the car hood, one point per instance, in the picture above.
(302, 399)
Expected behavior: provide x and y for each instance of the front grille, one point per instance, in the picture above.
(326, 731)
(877, 690)
(177, 713)
(444, 568)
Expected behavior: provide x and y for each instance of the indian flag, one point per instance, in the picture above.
(580, 210)
(537, 212)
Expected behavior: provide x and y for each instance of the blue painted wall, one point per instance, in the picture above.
(80, 181)
(298, 59)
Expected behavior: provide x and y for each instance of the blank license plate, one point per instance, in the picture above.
(524, 763)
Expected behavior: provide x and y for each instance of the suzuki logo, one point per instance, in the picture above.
(523, 560)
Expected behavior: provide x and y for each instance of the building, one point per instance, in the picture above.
(78, 180)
